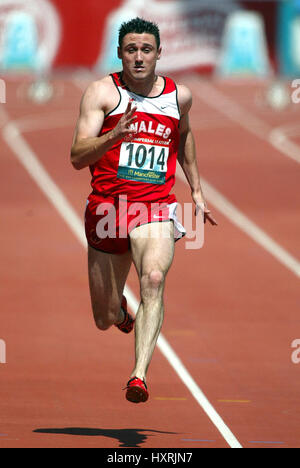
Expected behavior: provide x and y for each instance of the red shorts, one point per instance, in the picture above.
(109, 220)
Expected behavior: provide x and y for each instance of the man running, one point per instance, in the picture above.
(132, 127)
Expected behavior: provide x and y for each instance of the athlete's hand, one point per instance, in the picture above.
(122, 129)
(201, 206)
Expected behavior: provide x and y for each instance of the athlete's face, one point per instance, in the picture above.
(139, 55)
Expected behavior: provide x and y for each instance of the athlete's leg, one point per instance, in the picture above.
(107, 277)
(152, 251)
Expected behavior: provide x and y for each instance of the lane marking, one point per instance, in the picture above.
(35, 169)
(290, 129)
(37, 172)
(199, 396)
(265, 442)
(227, 106)
(53, 120)
(245, 224)
(279, 139)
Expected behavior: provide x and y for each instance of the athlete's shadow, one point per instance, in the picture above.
(127, 437)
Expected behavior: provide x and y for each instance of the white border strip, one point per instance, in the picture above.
(31, 163)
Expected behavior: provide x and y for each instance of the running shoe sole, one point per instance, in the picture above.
(135, 392)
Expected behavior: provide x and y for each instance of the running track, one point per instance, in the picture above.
(232, 307)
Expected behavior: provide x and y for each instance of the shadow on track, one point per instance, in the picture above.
(127, 437)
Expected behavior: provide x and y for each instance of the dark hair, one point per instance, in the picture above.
(139, 26)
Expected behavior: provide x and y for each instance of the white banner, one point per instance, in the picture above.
(191, 31)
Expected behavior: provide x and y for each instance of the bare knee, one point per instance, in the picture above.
(152, 283)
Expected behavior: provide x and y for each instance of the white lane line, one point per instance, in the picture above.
(279, 139)
(37, 122)
(38, 173)
(236, 217)
(228, 107)
(234, 111)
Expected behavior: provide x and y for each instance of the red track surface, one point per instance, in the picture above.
(232, 309)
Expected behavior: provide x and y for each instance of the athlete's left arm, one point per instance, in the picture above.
(187, 154)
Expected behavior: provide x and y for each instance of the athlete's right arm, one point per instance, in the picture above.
(87, 147)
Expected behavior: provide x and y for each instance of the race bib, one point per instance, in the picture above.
(143, 163)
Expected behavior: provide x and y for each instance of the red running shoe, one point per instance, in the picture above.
(137, 391)
(127, 325)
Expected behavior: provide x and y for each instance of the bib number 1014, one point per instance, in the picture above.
(147, 157)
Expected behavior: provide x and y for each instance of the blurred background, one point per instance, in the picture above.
(260, 37)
